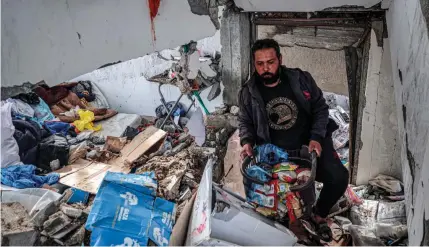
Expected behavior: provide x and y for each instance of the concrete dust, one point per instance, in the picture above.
(14, 218)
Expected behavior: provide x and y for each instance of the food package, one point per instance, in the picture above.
(285, 176)
(267, 212)
(258, 173)
(303, 175)
(266, 189)
(285, 166)
(293, 207)
(268, 201)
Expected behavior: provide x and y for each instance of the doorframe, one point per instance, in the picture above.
(356, 58)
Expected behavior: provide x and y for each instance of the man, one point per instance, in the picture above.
(285, 107)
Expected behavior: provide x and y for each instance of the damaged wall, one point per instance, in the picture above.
(379, 152)
(127, 90)
(300, 6)
(55, 40)
(328, 67)
(409, 47)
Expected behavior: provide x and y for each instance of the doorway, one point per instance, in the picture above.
(333, 46)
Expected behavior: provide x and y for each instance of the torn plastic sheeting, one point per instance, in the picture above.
(371, 212)
(394, 231)
(388, 183)
(9, 146)
(364, 236)
(196, 127)
(34, 200)
(364, 214)
(389, 212)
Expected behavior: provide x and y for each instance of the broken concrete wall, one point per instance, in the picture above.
(235, 41)
(322, 55)
(127, 89)
(56, 40)
(409, 47)
(300, 6)
(379, 152)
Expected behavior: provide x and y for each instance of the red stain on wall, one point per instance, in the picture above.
(153, 11)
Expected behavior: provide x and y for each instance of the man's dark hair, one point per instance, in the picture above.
(266, 44)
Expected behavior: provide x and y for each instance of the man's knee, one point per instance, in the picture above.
(341, 177)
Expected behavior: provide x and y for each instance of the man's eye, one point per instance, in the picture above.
(270, 62)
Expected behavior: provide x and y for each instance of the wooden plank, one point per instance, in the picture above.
(89, 177)
(139, 139)
(145, 146)
(78, 165)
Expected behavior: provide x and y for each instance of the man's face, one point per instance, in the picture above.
(267, 65)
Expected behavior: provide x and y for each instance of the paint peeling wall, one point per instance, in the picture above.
(379, 153)
(55, 40)
(409, 46)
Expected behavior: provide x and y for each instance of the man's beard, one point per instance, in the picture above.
(273, 78)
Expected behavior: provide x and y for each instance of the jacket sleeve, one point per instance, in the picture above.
(319, 111)
(245, 119)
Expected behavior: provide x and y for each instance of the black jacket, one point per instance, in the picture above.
(253, 119)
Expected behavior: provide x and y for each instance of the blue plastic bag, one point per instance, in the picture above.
(107, 237)
(270, 154)
(42, 112)
(258, 173)
(162, 222)
(126, 212)
(144, 183)
(121, 208)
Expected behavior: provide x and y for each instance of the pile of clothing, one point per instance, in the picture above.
(38, 121)
(268, 180)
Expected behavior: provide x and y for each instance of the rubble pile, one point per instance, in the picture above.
(16, 225)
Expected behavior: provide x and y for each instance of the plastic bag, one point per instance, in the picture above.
(9, 147)
(35, 200)
(42, 112)
(85, 122)
(388, 183)
(340, 137)
(270, 154)
(20, 107)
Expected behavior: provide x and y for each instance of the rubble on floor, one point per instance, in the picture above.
(17, 229)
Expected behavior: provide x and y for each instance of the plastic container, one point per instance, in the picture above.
(303, 159)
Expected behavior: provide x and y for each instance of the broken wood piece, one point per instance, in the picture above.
(141, 144)
(88, 175)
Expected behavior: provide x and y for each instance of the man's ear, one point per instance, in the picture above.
(280, 60)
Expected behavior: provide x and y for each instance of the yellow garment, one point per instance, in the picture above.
(85, 122)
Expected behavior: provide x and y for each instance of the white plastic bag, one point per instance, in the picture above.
(196, 127)
(35, 200)
(9, 147)
(20, 107)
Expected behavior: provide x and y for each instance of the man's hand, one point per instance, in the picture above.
(247, 150)
(315, 146)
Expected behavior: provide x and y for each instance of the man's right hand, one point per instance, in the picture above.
(247, 150)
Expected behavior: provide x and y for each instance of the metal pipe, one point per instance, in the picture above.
(171, 111)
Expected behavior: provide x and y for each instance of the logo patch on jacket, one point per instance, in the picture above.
(307, 95)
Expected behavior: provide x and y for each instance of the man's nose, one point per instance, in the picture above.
(266, 68)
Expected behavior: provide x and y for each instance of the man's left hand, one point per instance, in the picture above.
(315, 146)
